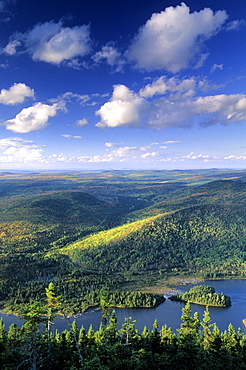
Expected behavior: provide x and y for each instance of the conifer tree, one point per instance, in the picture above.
(34, 314)
(112, 334)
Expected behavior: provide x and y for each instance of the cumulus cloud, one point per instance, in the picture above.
(222, 108)
(111, 56)
(167, 103)
(125, 108)
(52, 43)
(16, 94)
(209, 110)
(164, 85)
(17, 150)
(33, 118)
(23, 154)
(173, 38)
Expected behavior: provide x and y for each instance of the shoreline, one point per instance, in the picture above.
(165, 288)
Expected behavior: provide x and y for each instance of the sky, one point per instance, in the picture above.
(131, 84)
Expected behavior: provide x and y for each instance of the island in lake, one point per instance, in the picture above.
(203, 295)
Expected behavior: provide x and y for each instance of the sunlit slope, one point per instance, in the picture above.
(104, 239)
(205, 237)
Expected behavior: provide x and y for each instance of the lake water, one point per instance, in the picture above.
(168, 312)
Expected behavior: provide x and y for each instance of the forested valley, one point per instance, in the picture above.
(126, 233)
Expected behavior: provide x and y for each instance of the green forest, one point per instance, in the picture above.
(197, 344)
(204, 295)
(130, 232)
(115, 239)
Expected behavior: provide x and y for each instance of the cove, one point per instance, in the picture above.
(168, 313)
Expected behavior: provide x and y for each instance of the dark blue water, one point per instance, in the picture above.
(169, 312)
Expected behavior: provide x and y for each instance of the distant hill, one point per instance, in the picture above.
(62, 216)
(223, 192)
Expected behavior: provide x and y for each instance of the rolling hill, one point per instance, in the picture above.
(119, 230)
(207, 231)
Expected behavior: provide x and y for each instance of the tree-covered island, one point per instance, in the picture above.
(203, 295)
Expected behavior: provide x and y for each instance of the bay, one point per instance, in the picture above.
(168, 313)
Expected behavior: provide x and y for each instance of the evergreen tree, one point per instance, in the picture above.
(128, 331)
(112, 334)
(188, 340)
(34, 314)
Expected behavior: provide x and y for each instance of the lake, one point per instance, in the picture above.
(168, 312)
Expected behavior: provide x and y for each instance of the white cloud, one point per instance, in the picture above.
(173, 38)
(16, 94)
(66, 44)
(111, 56)
(179, 106)
(235, 25)
(67, 136)
(52, 43)
(166, 113)
(32, 118)
(171, 142)
(54, 158)
(82, 122)
(16, 142)
(197, 156)
(110, 145)
(209, 110)
(201, 60)
(158, 87)
(11, 47)
(121, 154)
(149, 155)
(235, 157)
(221, 108)
(125, 108)
(17, 150)
(163, 85)
(23, 154)
(216, 66)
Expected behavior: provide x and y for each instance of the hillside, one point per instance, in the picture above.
(124, 230)
(197, 239)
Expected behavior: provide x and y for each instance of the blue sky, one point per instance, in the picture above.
(94, 84)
